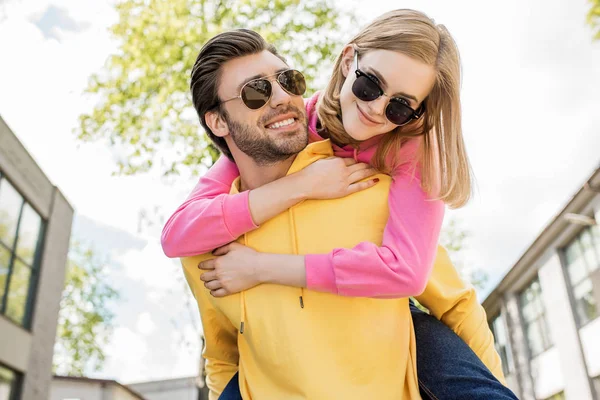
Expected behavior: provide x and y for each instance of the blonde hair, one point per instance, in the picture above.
(445, 166)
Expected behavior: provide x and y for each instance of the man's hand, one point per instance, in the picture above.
(233, 270)
(334, 177)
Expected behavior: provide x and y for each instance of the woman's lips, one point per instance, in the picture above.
(365, 118)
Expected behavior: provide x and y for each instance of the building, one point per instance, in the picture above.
(191, 388)
(544, 313)
(79, 388)
(35, 227)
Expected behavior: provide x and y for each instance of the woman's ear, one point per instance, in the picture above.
(216, 123)
(347, 59)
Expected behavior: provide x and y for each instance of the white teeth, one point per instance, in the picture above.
(280, 124)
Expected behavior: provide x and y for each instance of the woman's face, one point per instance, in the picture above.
(397, 74)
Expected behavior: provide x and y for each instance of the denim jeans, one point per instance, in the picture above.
(447, 368)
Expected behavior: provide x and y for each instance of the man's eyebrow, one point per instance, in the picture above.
(385, 84)
(257, 76)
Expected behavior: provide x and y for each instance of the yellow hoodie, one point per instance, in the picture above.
(291, 343)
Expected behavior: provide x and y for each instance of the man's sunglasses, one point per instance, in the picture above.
(257, 92)
(366, 88)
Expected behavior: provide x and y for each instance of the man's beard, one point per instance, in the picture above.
(256, 143)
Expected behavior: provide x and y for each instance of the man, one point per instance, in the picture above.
(325, 346)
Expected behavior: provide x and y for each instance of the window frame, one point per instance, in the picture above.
(508, 367)
(16, 384)
(34, 267)
(580, 320)
(540, 319)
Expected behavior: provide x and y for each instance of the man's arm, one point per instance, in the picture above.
(220, 336)
(454, 302)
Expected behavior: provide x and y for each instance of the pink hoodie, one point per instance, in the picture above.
(400, 267)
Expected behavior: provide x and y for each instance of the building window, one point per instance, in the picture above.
(534, 319)
(20, 237)
(9, 384)
(501, 343)
(582, 257)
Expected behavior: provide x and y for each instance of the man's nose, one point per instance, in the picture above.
(279, 96)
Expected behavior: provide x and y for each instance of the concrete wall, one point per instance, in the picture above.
(590, 342)
(180, 389)
(75, 390)
(30, 352)
(84, 389)
(568, 364)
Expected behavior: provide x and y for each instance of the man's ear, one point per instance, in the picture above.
(216, 123)
(347, 60)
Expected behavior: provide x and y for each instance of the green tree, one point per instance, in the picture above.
(455, 239)
(85, 317)
(593, 18)
(143, 103)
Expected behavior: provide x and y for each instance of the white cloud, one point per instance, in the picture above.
(125, 355)
(151, 267)
(145, 325)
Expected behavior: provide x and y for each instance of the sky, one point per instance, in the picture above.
(530, 97)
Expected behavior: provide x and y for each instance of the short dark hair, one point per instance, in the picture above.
(207, 70)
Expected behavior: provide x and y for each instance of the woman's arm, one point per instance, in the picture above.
(400, 267)
(211, 217)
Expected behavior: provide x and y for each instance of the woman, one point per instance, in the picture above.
(392, 102)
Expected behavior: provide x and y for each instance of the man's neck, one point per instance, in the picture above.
(253, 175)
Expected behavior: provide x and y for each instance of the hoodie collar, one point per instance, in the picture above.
(311, 153)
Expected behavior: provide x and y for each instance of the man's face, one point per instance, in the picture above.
(274, 132)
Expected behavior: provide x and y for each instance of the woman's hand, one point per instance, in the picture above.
(335, 177)
(232, 271)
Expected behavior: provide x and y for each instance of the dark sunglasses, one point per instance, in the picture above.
(257, 92)
(366, 88)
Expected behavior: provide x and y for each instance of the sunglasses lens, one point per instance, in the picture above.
(293, 82)
(256, 94)
(398, 113)
(365, 89)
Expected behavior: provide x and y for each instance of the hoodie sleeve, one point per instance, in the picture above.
(210, 217)
(454, 302)
(220, 336)
(399, 267)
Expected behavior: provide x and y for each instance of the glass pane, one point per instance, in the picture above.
(545, 329)
(7, 377)
(585, 302)
(575, 263)
(595, 233)
(499, 333)
(534, 338)
(29, 231)
(589, 252)
(10, 206)
(18, 289)
(4, 261)
(529, 312)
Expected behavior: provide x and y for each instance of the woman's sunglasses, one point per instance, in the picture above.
(366, 88)
(257, 92)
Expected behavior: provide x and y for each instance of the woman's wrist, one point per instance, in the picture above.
(281, 269)
(301, 186)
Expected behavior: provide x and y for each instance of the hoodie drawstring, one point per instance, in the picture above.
(243, 300)
(295, 247)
